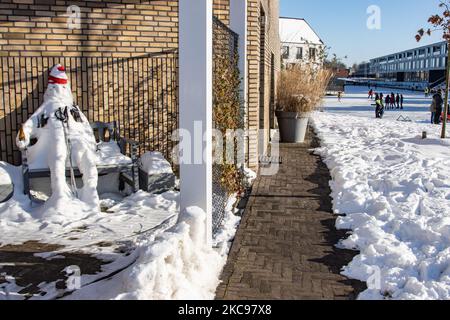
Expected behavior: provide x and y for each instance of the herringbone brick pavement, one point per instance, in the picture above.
(285, 245)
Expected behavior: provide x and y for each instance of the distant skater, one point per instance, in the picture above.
(433, 110)
(401, 101)
(370, 94)
(397, 100)
(392, 100)
(438, 102)
(339, 96)
(379, 108)
(387, 102)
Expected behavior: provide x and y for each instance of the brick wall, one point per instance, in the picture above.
(221, 9)
(259, 94)
(119, 28)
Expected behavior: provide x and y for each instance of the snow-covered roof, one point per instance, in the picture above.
(295, 30)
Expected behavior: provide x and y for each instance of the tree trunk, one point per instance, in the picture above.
(444, 122)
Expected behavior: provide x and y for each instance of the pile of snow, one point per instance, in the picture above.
(108, 153)
(79, 225)
(4, 176)
(177, 265)
(154, 163)
(393, 189)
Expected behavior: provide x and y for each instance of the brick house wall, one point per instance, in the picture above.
(264, 62)
(131, 28)
(221, 9)
(120, 28)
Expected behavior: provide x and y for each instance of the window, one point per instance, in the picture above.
(312, 53)
(299, 53)
(285, 52)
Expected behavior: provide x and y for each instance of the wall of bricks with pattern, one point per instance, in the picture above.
(119, 28)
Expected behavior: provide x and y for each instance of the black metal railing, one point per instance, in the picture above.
(140, 93)
(225, 45)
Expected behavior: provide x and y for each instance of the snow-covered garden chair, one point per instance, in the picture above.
(116, 154)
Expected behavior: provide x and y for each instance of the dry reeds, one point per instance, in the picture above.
(301, 88)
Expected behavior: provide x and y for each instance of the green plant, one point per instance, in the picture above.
(227, 111)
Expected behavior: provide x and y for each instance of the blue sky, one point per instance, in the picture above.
(342, 24)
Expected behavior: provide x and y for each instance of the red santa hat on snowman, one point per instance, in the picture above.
(57, 75)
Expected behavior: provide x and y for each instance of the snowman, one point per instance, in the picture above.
(64, 140)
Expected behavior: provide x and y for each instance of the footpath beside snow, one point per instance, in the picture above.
(393, 191)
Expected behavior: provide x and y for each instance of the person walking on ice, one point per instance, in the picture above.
(64, 138)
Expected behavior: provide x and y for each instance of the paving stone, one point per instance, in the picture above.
(285, 245)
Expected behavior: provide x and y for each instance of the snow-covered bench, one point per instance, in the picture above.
(115, 155)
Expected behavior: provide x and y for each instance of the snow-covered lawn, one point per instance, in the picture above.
(393, 191)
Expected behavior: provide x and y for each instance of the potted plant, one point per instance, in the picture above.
(301, 89)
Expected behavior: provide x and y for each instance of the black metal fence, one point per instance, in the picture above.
(225, 44)
(140, 93)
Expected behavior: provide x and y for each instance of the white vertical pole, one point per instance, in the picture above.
(238, 23)
(195, 80)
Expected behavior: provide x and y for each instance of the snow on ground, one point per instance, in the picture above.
(173, 263)
(176, 265)
(79, 226)
(123, 224)
(393, 191)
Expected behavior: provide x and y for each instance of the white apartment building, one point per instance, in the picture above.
(425, 64)
(300, 43)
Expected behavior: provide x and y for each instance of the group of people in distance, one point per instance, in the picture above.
(390, 102)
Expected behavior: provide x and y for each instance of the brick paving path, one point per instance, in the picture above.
(284, 247)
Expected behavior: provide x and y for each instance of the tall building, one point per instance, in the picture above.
(300, 43)
(424, 65)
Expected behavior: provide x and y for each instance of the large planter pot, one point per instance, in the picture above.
(292, 126)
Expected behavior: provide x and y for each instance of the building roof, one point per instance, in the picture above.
(297, 30)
